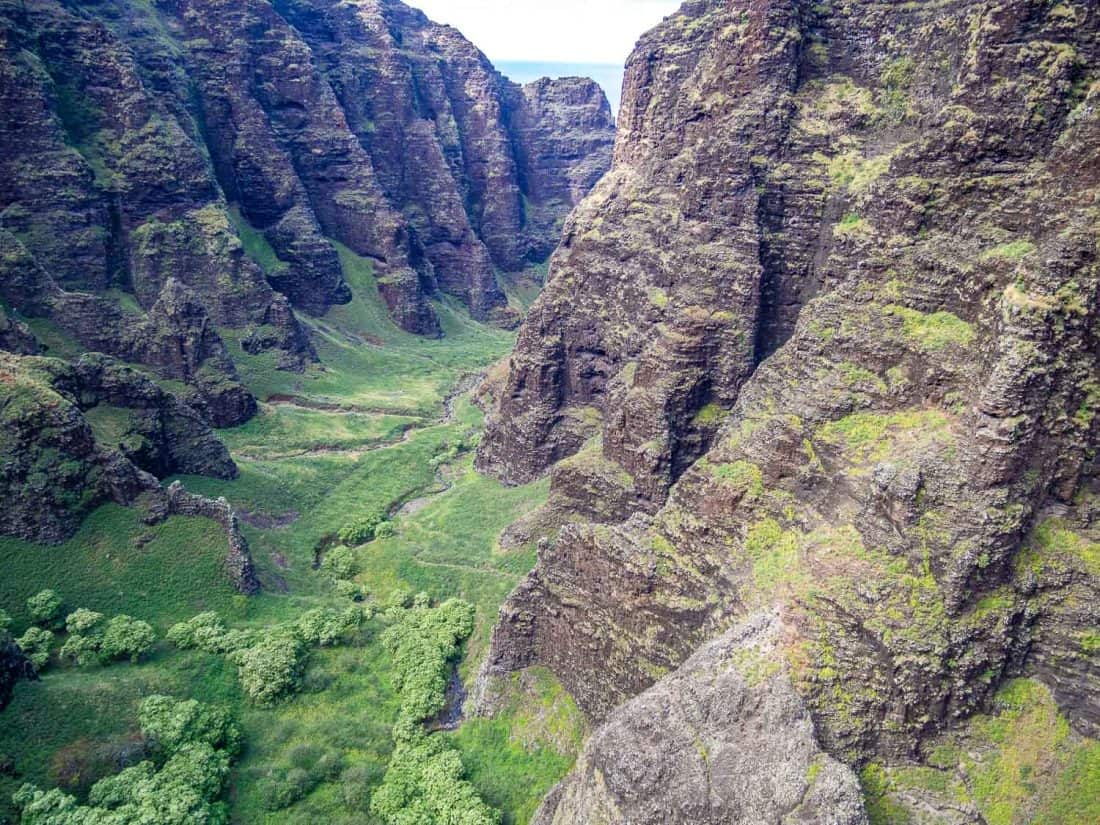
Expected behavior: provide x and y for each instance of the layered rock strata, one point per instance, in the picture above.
(129, 129)
(837, 355)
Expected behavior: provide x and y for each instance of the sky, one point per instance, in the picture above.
(558, 31)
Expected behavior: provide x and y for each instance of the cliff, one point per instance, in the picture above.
(836, 357)
(140, 140)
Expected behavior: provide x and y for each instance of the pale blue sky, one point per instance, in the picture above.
(561, 31)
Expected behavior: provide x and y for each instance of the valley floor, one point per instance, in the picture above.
(384, 426)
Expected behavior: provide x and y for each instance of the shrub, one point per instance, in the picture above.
(340, 562)
(425, 783)
(81, 650)
(82, 621)
(44, 607)
(271, 668)
(349, 590)
(171, 724)
(127, 638)
(208, 633)
(360, 530)
(422, 645)
(326, 627)
(5, 621)
(355, 784)
(35, 644)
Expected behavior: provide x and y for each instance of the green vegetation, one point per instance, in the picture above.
(935, 331)
(1054, 545)
(742, 476)
(194, 747)
(91, 640)
(515, 758)
(1011, 251)
(1022, 762)
(256, 245)
(852, 225)
(44, 608)
(35, 644)
(869, 437)
(365, 437)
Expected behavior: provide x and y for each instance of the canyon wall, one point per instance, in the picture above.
(825, 342)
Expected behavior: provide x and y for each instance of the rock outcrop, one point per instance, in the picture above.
(725, 740)
(75, 436)
(238, 560)
(14, 666)
(837, 355)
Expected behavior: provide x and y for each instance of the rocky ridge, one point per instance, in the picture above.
(143, 141)
(837, 357)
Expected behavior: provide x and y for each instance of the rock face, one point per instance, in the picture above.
(77, 435)
(13, 667)
(836, 354)
(128, 129)
(726, 740)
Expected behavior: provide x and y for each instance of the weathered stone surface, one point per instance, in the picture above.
(839, 336)
(128, 129)
(53, 468)
(726, 740)
(15, 337)
(238, 560)
(14, 666)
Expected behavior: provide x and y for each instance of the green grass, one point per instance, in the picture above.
(515, 758)
(933, 332)
(177, 574)
(1011, 251)
(1023, 764)
(367, 433)
(256, 246)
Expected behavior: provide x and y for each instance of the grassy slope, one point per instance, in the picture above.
(308, 471)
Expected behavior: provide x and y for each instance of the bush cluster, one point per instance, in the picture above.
(92, 638)
(195, 745)
(423, 645)
(361, 530)
(310, 765)
(269, 665)
(35, 644)
(340, 562)
(425, 782)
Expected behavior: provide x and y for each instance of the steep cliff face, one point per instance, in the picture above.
(140, 139)
(478, 173)
(837, 355)
(78, 435)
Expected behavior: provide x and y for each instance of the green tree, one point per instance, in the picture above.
(44, 607)
(35, 644)
(171, 724)
(126, 638)
(340, 562)
(83, 621)
(5, 620)
(182, 787)
(423, 644)
(360, 530)
(425, 785)
(271, 668)
(325, 627)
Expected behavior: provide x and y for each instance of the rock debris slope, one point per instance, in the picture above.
(837, 356)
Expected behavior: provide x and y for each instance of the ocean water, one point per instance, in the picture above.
(609, 76)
